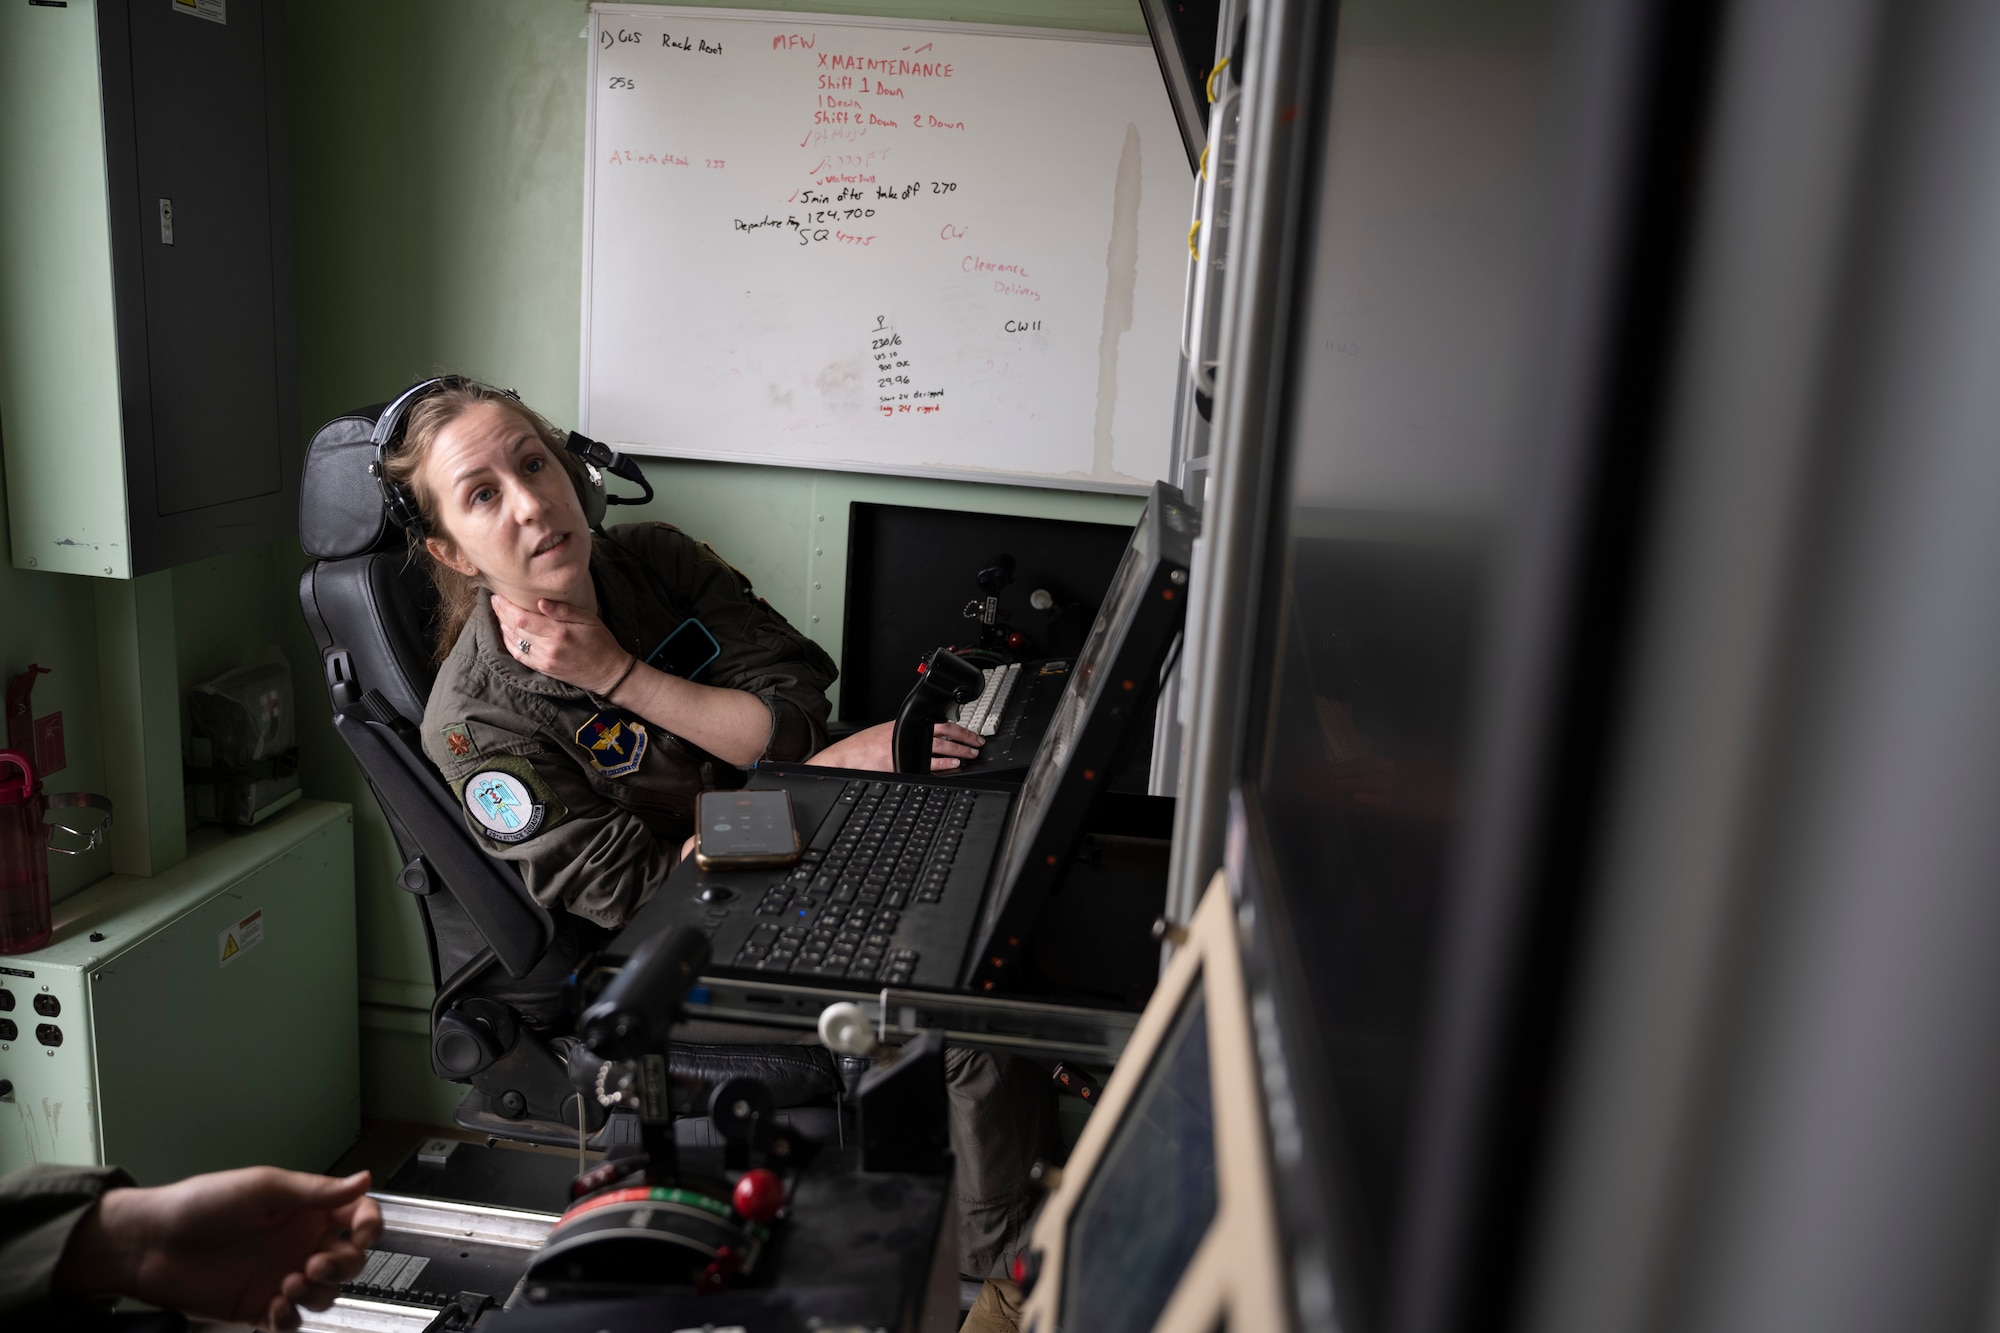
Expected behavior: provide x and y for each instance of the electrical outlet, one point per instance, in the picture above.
(49, 753)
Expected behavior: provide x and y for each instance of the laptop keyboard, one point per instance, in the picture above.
(883, 850)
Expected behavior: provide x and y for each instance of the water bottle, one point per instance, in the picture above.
(24, 857)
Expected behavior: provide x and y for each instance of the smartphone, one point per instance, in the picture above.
(740, 830)
(686, 652)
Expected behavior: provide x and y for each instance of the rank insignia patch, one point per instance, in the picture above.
(615, 745)
(458, 739)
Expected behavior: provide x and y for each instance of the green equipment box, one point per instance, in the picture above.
(196, 1020)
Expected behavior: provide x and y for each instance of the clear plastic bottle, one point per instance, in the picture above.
(24, 857)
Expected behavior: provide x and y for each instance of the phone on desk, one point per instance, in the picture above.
(686, 652)
(743, 830)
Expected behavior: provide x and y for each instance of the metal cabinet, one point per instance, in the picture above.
(203, 1018)
(148, 358)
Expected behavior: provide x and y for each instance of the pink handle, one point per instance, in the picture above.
(15, 792)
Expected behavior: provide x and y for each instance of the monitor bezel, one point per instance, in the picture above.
(1134, 657)
(1235, 1278)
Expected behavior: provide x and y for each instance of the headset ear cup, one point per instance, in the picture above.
(405, 510)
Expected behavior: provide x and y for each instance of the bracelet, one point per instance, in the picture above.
(631, 662)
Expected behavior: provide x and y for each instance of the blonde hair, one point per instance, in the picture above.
(458, 594)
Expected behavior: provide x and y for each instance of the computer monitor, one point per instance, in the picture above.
(1486, 212)
(1164, 1216)
(1107, 705)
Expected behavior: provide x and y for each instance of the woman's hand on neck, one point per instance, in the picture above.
(563, 640)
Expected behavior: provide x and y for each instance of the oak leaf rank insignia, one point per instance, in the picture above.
(614, 744)
(458, 739)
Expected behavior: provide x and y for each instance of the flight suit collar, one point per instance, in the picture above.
(494, 657)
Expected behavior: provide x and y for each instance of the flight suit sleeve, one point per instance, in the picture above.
(39, 1207)
(531, 805)
(761, 652)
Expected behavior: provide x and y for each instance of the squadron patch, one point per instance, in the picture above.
(615, 745)
(458, 739)
(509, 801)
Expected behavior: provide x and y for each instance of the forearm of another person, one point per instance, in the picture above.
(247, 1245)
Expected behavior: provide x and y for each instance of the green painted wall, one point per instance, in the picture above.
(438, 166)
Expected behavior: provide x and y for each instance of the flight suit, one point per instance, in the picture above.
(590, 803)
(39, 1207)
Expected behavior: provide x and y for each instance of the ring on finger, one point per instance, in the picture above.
(524, 645)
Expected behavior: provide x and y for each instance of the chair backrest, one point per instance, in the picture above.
(370, 610)
(363, 593)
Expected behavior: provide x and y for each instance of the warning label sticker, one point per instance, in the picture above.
(215, 11)
(239, 939)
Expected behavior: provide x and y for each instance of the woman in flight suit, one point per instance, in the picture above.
(579, 762)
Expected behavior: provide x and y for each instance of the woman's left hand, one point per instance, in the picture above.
(562, 641)
(873, 748)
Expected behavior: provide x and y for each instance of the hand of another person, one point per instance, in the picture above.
(246, 1246)
(563, 641)
(874, 748)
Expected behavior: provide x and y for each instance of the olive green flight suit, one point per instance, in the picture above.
(595, 826)
(39, 1207)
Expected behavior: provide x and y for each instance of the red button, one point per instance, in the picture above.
(759, 1194)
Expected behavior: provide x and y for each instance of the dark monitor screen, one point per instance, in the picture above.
(1153, 1194)
(1422, 423)
(1360, 778)
(1107, 704)
(1079, 689)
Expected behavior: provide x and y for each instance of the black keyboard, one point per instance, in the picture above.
(883, 849)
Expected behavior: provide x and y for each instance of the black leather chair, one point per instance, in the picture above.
(499, 958)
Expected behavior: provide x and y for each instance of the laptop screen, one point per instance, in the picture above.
(1079, 692)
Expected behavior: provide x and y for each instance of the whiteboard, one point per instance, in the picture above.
(927, 248)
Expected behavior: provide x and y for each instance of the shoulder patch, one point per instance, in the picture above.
(458, 740)
(509, 800)
(614, 744)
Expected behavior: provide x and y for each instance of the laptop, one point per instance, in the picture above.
(913, 882)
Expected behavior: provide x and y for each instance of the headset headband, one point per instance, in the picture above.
(401, 502)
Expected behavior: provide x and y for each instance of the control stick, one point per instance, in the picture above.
(629, 1024)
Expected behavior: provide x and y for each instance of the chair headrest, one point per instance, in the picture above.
(340, 504)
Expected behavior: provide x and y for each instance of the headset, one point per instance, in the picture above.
(597, 459)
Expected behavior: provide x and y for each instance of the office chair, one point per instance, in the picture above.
(499, 959)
